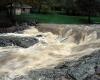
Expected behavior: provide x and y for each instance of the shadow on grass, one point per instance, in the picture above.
(84, 21)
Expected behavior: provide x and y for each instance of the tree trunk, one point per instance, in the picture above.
(39, 8)
(89, 12)
(89, 19)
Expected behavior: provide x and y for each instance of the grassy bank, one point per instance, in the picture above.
(59, 19)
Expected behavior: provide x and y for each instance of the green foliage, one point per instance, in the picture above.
(45, 9)
(65, 7)
(59, 19)
(72, 7)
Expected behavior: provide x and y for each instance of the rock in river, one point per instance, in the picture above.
(24, 42)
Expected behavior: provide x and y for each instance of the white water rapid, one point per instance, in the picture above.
(68, 44)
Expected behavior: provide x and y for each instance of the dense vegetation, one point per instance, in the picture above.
(69, 7)
(63, 7)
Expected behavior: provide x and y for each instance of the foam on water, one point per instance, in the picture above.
(52, 49)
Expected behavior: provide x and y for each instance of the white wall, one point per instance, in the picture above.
(17, 11)
(25, 10)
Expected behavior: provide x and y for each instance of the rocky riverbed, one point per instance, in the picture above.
(51, 52)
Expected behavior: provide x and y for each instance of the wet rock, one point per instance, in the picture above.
(93, 77)
(84, 67)
(24, 42)
(17, 27)
(32, 23)
(39, 35)
(97, 69)
(43, 74)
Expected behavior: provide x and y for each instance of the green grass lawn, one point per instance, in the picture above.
(59, 19)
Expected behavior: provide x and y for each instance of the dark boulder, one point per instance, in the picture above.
(24, 42)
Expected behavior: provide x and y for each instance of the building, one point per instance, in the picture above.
(17, 8)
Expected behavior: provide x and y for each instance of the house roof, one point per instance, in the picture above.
(18, 5)
(26, 6)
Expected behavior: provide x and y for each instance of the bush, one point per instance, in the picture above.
(45, 9)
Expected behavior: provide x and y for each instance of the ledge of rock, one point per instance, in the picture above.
(86, 68)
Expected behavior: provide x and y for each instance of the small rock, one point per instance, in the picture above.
(39, 36)
(97, 70)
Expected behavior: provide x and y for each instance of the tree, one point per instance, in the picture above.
(89, 7)
(69, 6)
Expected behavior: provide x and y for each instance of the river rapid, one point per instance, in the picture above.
(54, 47)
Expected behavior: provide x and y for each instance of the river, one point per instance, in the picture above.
(69, 43)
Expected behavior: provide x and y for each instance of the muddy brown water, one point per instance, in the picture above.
(57, 44)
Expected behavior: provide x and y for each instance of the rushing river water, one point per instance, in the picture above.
(52, 49)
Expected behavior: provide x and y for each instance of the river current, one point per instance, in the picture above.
(52, 49)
